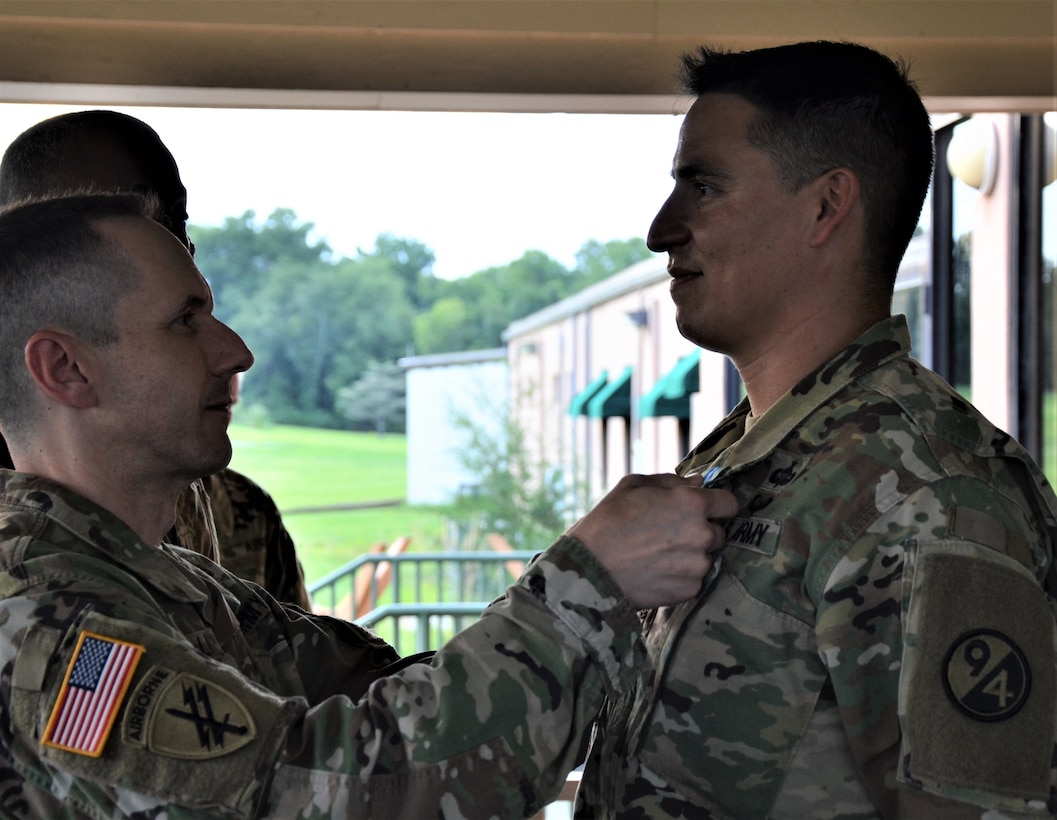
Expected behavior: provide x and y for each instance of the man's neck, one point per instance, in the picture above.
(147, 507)
(774, 371)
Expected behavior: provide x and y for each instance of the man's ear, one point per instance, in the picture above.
(56, 364)
(837, 193)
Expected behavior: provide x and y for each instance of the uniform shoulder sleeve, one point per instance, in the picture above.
(490, 727)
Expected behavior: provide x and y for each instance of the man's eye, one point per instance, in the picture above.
(185, 319)
(704, 189)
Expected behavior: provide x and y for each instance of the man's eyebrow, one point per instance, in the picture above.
(696, 170)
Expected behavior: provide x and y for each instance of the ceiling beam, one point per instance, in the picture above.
(957, 49)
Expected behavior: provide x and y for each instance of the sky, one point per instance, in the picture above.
(479, 189)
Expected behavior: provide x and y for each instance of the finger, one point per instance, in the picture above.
(718, 537)
(722, 503)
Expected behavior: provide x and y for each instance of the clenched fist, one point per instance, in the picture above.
(656, 535)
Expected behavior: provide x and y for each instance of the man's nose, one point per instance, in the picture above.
(232, 353)
(664, 230)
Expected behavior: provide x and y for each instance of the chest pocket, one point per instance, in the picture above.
(733, 698)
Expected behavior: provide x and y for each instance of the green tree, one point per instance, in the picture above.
(411, 261)
(315, 329)
(596, 260)
(491, 299)
(448, 325)
(313, 324)
(237, 256)
(516, 496)
(377, 399)
(471, 313)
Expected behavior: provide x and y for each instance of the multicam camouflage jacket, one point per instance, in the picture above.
(253, 542)
(148, 682)
(877, 639)
(229, 518)
(194, 527)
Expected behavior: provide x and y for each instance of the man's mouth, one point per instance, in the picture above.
(679, 272)
(223, 405)
(681, 276)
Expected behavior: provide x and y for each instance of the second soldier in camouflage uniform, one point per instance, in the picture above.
(253, 541)
(877, 639)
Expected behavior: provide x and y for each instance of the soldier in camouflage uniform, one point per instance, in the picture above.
(877, 638)
(227, 517)
(143, 680)
(254, 544)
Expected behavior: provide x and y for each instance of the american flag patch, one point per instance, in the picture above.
(91, 694)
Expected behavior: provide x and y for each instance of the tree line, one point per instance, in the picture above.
(327, 331)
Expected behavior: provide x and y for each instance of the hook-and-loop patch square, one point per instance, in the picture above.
(978, 676)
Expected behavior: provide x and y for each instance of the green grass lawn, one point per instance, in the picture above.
(303, 467)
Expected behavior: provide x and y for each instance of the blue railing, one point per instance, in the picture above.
(417, 601)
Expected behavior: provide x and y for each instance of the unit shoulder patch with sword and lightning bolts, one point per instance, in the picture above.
(184, 716)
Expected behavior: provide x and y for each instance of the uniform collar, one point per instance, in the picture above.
(96, 529)
(729, 445)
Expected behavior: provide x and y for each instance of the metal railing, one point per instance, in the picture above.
(417, 602)
(427, 623)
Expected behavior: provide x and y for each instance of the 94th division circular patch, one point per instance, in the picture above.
(986, 675)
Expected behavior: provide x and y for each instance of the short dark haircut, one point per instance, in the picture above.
(827, 105)
(32, 163)
(58, 271)
(42, 160)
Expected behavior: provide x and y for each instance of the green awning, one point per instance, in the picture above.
(670, 396)
(578, 406)
(614, 399)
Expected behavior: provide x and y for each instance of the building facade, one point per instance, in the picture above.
(445, 393)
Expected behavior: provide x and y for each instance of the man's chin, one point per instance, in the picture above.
(215, 461)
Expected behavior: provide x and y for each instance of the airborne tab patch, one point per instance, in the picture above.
(184, 716)
(91, 695)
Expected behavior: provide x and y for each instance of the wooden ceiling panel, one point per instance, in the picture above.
(958, 48)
